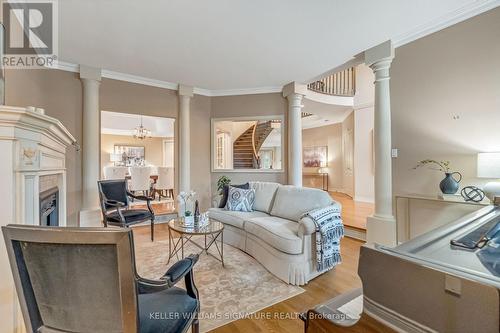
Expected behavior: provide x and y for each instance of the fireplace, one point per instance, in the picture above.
(49, 207)
(33, 147)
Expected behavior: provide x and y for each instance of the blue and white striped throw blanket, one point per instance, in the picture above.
(329, 231)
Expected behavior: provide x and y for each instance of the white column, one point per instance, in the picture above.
(294, 94)
(91, 80)
(185, 94)
(381, 227)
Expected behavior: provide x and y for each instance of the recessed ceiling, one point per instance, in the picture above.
(323, 114)
(117, 123)
(227, 44)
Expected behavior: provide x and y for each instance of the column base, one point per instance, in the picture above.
(91, 218)
(381, 230)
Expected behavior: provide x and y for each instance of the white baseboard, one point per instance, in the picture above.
(355, 233)
(392, 319)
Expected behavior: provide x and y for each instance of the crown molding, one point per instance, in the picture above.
(139, 80)
(232, 92)
(66, 66)
(75, 68)
(461, 14)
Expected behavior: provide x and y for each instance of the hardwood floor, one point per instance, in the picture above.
(283, 316)
(160, 208)
(354, 213)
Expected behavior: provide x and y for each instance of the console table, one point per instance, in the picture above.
(322, 175)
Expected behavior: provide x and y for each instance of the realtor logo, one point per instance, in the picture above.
(30, 33)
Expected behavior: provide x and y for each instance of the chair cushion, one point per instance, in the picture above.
(264, 195)
(169, 310)
(225, 192)
(292, 202)
(130, 215)
(113, 190)
(235, 219)
(282, 234)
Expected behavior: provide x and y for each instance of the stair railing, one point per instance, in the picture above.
(339, 84)
(255, 156)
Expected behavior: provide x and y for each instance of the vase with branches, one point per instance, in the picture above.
(443, 166)
(449, 185)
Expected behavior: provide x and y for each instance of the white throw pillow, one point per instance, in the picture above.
(240, 199)
(264, 195)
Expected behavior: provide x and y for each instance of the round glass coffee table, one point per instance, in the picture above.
(211, 232)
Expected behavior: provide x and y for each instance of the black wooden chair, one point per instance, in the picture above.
(115, 205)
(85, 280)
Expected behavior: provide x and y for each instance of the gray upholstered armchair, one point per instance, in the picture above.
(115, 205)
(84, 280)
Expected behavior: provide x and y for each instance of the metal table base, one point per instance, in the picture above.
(178, 245)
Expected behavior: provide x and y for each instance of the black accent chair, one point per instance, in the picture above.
(114, 198)
(84, 280)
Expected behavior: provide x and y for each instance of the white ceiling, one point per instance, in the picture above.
(323, 114)
(124, 124)
(228, 44)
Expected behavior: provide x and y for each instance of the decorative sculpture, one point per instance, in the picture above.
(472, 193)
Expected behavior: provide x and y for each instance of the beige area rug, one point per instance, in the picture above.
(241, 288)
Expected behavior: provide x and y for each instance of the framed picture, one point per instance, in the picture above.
(131, 155)
(315, 157)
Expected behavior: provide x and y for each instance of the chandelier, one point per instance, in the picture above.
(141, 132)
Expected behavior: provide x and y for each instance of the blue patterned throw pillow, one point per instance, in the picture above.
(240, 199)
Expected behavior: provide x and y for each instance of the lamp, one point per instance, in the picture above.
(488, 166)
(115, 157)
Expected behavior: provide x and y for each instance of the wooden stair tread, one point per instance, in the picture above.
(243, 146)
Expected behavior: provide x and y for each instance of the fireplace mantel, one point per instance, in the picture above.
(32, 145)
(33, 153)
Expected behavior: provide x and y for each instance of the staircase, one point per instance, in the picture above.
(246, 147)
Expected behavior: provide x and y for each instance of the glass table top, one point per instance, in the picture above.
(199, 228)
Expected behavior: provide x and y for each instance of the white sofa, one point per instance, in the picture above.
(275, 233)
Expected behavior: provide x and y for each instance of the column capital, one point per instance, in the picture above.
(90, 73)
(294, 88)
(381, 69)
(295, 100)
(380, 55)
(187, 91)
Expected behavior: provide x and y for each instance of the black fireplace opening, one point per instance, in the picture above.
(49, 207)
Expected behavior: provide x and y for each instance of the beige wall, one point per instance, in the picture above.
(330, 136)
(126, 97)
(60, 94)
(244, 106)
(120, 96)
(348, 174)
(153, 148)
(449, 74)
(364, 179)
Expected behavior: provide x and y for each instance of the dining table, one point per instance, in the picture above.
(153, 177)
